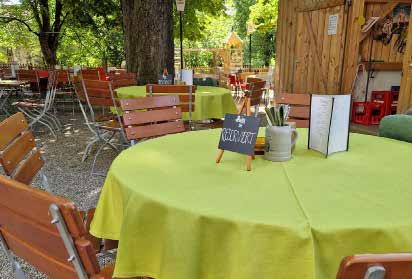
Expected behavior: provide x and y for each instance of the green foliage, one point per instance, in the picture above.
(264, 15)
(197, 16)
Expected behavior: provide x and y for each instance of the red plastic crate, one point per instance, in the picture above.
(369, 113)
(361, 113)
(384, 98)
(377, 112)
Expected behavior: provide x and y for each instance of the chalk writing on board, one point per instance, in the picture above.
(239, 134)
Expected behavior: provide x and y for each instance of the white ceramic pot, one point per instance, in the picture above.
(279, 142)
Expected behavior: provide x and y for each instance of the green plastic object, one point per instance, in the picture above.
(409, 112)
(397, 127)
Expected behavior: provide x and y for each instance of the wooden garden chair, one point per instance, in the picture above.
(300, 108)
(90, 74)
(22, 161)
(254, 94)
(122, 79)
(151, 117)
(384, 266)
(105, 127)
(187, 96)
(65, 88)
(32, 77)
(47, 232)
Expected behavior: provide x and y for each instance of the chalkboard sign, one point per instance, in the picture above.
(239, 134)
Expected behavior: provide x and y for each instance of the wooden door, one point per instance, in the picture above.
(405, 97)
(320, 50)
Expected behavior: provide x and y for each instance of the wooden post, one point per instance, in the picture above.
(405, 95)
(350, 65)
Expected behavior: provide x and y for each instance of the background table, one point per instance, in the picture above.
(210, 102)
(179, 215)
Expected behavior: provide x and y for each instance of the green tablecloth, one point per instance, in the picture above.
(210, 102)
(178, 215)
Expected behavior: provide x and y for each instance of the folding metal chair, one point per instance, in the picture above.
(47, 231)
(39, 111)
(149, 117)
(378, 266)
(106, 127)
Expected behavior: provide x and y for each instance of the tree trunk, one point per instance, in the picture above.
(148, 36)
(48, 47)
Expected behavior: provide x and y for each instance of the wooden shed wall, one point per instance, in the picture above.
(308, 60)
(380, 51)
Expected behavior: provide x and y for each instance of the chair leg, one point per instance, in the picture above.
(89, 149)
(106, 142)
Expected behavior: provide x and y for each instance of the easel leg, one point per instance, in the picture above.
(248, 163)
(219, 157)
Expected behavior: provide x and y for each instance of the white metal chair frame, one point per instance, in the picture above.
(101, 134)
(44, 116)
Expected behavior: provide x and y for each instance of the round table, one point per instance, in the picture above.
(177, 214)
(210, 102)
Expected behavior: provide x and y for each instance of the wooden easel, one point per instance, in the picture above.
(246, 104)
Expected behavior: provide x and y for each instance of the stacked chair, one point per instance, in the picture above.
(92, 95)
(65, 91)
(33, 79)
(47, 231)
(39, 111)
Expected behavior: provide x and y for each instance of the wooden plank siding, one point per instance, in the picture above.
(311, 61)
(387, 53)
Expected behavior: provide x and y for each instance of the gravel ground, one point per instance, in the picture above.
(68, 176)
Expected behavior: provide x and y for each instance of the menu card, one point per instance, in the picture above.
(329, 123)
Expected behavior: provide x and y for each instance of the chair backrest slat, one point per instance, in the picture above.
(138, 118)
(26, 225)
(99, 92)
(29, 168)
(149, 102)
(90, 75)
(16, 152)
(300, 107)
(28, 75)
(391, 266)
(155, 130)
(62, 76)
(156, 88)
(11, 128)
(16, 144)
(48, 265)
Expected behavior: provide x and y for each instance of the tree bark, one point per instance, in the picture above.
(148, 36)
(49, 45)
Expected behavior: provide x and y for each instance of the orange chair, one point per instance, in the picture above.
(384, 266)
(161, 116)
(47, 232)
(300, 108)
